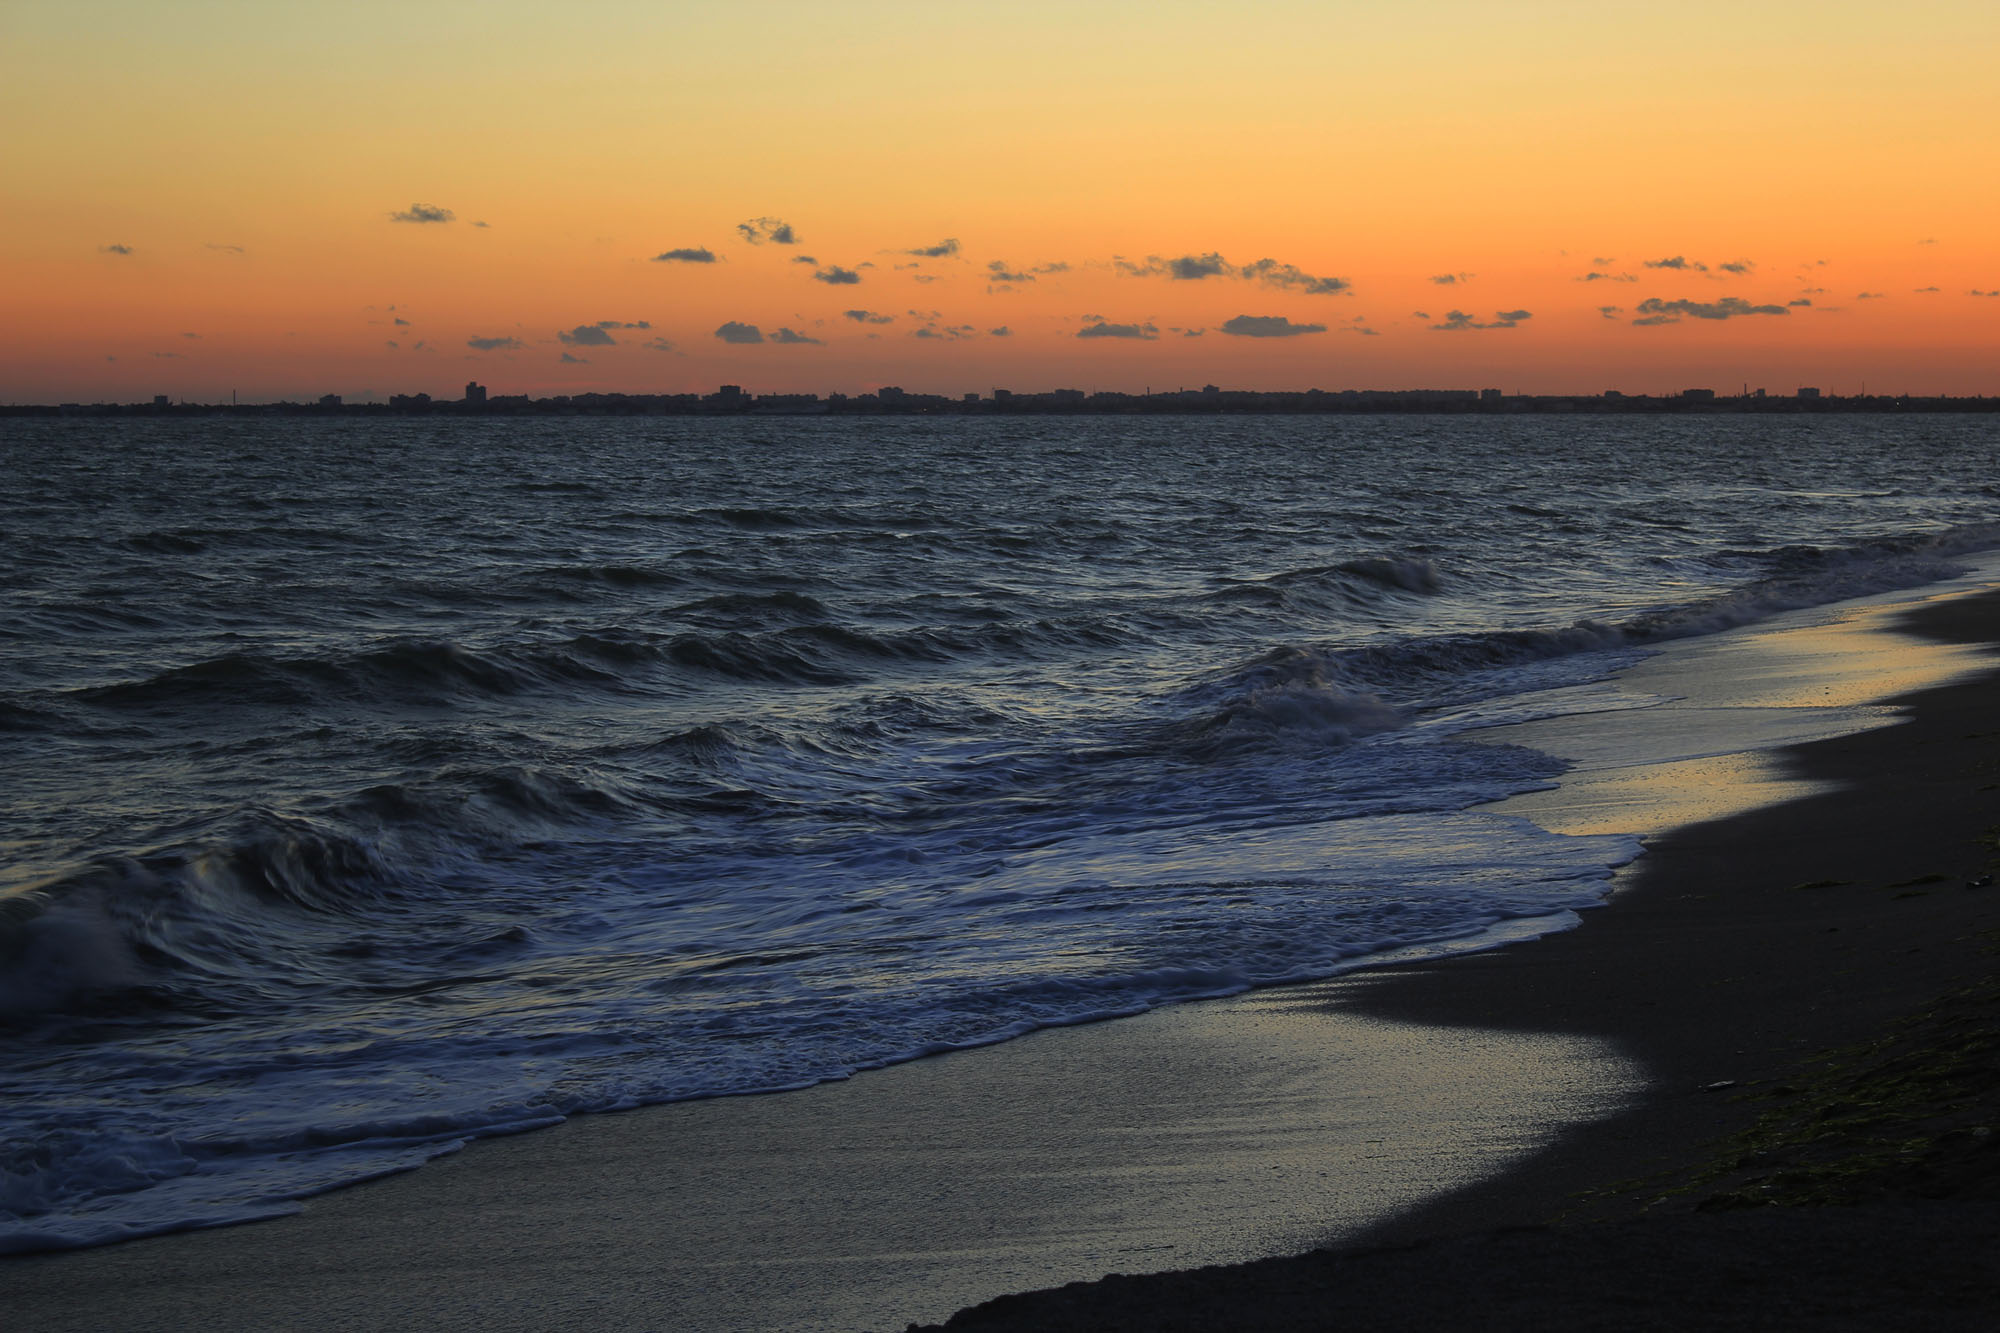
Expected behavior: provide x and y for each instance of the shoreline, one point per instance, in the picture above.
(1777, 932)
(1218, 1131)
(573, 1227)
(1740, 953)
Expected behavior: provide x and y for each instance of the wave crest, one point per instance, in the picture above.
(1288, 699)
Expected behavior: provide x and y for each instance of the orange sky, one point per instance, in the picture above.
(204, 197)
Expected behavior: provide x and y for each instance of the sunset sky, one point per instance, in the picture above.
(376, 198)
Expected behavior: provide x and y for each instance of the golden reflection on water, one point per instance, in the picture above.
(1712, 748)
(1649, 798)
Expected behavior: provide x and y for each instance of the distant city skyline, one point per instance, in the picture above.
(734, 400)
(476, 394)
(391, 199)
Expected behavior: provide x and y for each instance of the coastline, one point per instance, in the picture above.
(569, 1228)
(1202, 1133)
(1740, 953)
(1775, 933)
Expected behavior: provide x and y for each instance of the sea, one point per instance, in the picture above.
(369, 786)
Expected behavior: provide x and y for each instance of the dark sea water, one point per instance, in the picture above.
(369, 786)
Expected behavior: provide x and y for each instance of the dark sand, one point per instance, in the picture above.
(1742, 948)
(1715, 965)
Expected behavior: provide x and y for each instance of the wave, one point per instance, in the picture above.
(1349, 584)
(31, 719)
(1295, 696)
(82, 618)
(440, 672)
(766, 606)
(753, 518)
(705, 746)
(213, 926)
(400, 889)
(425, 671)
(828, 653)
(494, 807)
(612, 659)
(1412, 574)
(1795, 577)
(1286, 699)
(753, 657)
(612, 575)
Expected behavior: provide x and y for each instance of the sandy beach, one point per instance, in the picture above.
(1549, 1074)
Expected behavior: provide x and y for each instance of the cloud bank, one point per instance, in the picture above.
(1099, 328)
(1001, 271)
(1653, 310)
(1195, 268)
(598, 334)
(424, 213)
(1267, 326)
(1457, 320)
(759, 230)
